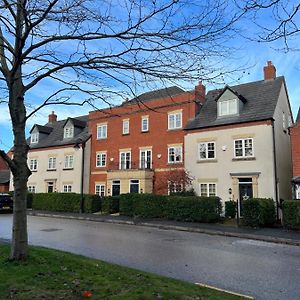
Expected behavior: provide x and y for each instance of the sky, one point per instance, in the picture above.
(253, 54)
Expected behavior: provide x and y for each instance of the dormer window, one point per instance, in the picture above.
(34, 138)
(68, 132)
(227, 107)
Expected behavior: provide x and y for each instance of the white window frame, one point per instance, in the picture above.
(31, 189)
(99, 162)
(121, 166)
(33, 164)
(69, 161)
(100, 189)
(68, 132)
(101, 131)
(243, 148)
(67, 188)
(176, 123)
(138, 183)
(175, 187)
(227, 104)
(206, 150)
(145, 128)
(208, 185)
(34, 138)
(176, 148)
(126, 125)
(51, 163)
(141, 164)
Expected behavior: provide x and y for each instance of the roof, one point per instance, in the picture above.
(4, 176)
(55, 137)
(76, 122)
(261, 100)
(157, 94)
(44, 129)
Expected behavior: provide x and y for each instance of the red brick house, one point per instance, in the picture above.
(4, 176)
(137, 145)
(295, 140)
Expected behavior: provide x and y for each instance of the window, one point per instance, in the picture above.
(174, 187)
(125, 126)
(208, 189)
(243, 148)
(145, 159)
(207, 150)
(145, 124)
(33, 165)
(68, 132)
(31, 189)
(69, 161)
(100, 189)
(228, 107)
(101, 159)
(102, 131)
(34, 138)
(52, 163)
(134, 186)
(175, 120)
(125, 162)
(175, 154)
(67, 188)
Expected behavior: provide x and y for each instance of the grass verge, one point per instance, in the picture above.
(51, 274)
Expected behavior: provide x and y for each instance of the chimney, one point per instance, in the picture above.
(200, 92)
(52, 118)
(269, 71)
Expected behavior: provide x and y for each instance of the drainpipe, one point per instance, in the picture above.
(275, 171)
(82, 179)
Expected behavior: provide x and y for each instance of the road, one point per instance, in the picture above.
(260, 269)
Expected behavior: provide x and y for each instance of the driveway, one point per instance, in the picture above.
(260, 269)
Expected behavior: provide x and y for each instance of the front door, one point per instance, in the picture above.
(245, 192)
(50, 187)
(116, 187)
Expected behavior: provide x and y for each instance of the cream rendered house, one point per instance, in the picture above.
(238, 146)
(59, 156)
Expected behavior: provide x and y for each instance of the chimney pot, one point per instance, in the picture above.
(52, 118)
(269, 71)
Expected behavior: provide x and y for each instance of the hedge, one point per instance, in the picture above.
(110, 205)
(258, 212)
(192, 209)
(230, 209)
(65, 202)
(291, 214)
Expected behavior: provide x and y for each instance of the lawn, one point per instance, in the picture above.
(50, 274)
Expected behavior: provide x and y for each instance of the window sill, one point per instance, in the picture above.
(67, 169)
(100, 167)
(243, 158)
(100, 139)
(175, 163)
(33, 171)
(124, 134)
(174, 129)
(144, 131)
(201, 161)
(51, 170)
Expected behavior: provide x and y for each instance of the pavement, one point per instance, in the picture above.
(275, 235)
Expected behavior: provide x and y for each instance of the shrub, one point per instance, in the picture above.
(29, 200)
(230, 209)
(258, 212)
(188, 193)
(110, 205)
(291, 214)
(193, 209)
(65, 202)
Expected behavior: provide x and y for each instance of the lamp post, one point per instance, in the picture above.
(77, 147)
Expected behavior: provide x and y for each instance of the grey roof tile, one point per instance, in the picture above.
(4, 176)
(261, 100)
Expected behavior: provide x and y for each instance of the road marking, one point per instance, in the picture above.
(223, 290)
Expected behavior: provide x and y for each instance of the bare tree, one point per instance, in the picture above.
(82, 51)
(275, 20)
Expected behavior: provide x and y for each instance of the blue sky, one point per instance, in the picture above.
(253, 54)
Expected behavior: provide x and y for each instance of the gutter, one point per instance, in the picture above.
(275, 171)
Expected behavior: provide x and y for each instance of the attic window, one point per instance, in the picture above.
(68, 132)
(34, 138)
(227, 107)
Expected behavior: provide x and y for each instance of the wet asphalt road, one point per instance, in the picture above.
(260, 269)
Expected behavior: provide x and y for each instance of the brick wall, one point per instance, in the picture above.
(295, 140)
(3, 165)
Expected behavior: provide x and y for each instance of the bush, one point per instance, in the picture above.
(291, 214)
(230, 209)
(192, 209)
(65, 202)
(258, 212)
(29, 200)
(188, 193)
(110, 205)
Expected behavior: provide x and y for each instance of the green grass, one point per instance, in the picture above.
(50, 274)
